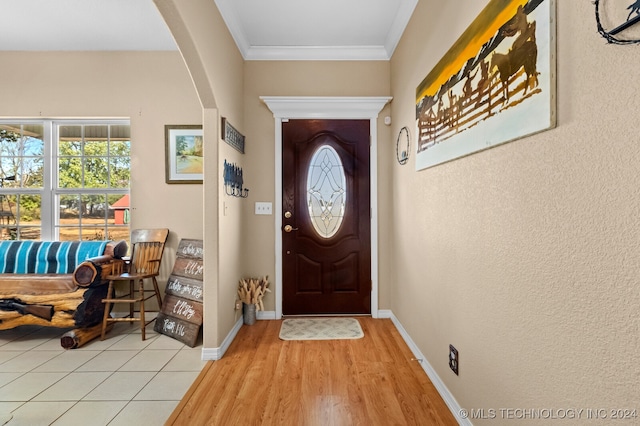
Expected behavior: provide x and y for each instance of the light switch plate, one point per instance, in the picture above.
(263, 208)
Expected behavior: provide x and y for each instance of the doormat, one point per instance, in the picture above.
(320, 329)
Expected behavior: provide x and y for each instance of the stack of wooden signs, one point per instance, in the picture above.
(181, 313)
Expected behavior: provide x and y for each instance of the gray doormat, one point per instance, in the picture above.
(320, 329)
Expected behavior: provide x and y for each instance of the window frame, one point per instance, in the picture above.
(50, 192)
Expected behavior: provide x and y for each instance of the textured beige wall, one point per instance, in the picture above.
(525, 256)
(150, 88)
(299, 78)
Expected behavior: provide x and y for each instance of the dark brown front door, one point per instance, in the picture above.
(326, 235)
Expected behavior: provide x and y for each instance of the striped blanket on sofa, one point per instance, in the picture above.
(46, 257)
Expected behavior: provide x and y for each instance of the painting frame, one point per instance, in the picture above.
(470, 101)
(184, 153)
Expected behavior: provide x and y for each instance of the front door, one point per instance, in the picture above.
(326, 207)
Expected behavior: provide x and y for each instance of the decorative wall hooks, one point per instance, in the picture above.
(233, 181)
(610, 35)
(402, 146)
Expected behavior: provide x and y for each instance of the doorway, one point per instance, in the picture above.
(285, 108)
(326, 233)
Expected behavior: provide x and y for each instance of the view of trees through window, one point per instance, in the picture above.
(62, 180)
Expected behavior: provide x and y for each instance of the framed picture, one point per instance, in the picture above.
(183, 153)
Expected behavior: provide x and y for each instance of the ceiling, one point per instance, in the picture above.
(262, 29)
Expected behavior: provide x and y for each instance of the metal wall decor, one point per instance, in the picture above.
(633, 17)
(231, 136)
(403, 146)
(233, 181)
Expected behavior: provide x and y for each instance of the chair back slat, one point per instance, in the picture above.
(147, 249)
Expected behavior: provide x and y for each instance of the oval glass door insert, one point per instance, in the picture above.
(326, 191)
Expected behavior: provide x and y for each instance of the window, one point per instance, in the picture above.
(64, 180)
(326, 193)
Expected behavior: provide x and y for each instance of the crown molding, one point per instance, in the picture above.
(405, 10)
(316, 53)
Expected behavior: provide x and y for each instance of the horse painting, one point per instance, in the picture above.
(510, 63)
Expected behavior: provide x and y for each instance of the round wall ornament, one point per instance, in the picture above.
(610, 19)
(402, 146)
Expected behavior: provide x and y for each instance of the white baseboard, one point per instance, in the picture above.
(266, 315)
(214, 354)
(431, 373)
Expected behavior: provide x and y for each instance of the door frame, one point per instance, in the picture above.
(304, 107)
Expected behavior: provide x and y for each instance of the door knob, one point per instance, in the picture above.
(289, 228)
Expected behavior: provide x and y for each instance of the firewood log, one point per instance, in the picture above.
(87, 272)
(75, 338)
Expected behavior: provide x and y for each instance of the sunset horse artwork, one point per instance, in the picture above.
(523, 54)
(500, 69)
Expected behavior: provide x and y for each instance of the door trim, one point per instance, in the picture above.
(302, 107)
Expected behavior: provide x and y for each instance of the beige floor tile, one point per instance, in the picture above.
(9, 406)
(100, 345)
(119, 381)
(27, 342)
(150, 333)
(6, 378)
(28, 361)
(73, 387)
(131, 341)
(144, 413)
(50, 345)
(167, 386)
(7, 355)
(38, 413)
(186, 360)
(107, 361)
(67, 361)
(28, 386)
(149, 360)
(166, 342)
(95, 413)
(120, 386)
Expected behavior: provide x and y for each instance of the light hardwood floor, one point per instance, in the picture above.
(262, 380)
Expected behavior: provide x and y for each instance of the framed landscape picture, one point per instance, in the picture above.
(183, 153)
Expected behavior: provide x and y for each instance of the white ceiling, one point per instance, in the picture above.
(83, 25)
(262, 29)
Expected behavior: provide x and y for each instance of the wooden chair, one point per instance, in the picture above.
(147, 247)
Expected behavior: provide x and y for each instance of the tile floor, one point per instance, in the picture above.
(119, 381)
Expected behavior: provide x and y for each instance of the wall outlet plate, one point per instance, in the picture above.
(238, 305)
(453, 359)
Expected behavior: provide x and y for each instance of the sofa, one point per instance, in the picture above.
(55, 283)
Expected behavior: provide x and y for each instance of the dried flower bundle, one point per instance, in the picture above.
(251, 291)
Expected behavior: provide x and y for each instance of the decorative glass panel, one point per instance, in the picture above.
(326, 191)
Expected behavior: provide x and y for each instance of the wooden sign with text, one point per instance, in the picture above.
(181, 313)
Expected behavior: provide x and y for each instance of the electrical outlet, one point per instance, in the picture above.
(238, 305)
(263, 208)
(453, 359)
